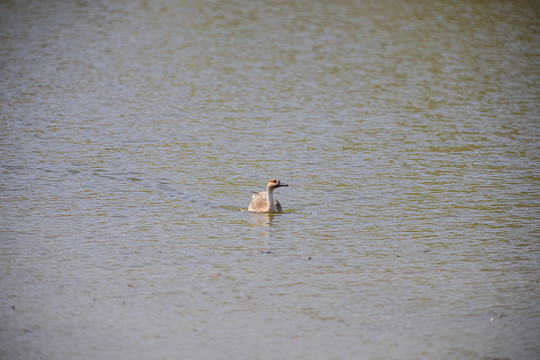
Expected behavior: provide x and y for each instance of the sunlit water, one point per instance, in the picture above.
(133, 134)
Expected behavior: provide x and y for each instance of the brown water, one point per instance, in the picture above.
(133, 133)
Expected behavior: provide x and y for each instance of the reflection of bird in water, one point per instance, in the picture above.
(265, 201)
(263, 219)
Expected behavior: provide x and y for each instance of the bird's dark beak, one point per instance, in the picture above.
(282, 184)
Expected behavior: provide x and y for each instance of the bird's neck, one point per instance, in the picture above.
(270, 200)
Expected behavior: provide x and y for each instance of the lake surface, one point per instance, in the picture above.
(133, 134)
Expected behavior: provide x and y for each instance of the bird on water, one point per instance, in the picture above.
(265, 201)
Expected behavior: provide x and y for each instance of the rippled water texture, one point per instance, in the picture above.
(134, 132)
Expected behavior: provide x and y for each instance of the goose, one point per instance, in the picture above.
(265, 201)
